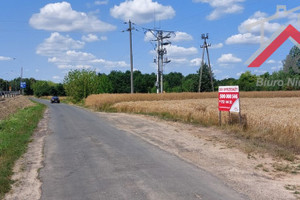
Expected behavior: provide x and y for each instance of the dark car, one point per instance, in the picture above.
(55, 99)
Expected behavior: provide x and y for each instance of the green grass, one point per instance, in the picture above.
(15, 133)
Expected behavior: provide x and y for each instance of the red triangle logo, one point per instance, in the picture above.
(289, 31)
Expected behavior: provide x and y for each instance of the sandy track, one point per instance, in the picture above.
(212, 150)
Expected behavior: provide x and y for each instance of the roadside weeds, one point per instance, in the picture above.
(27, 184)
(15, 134)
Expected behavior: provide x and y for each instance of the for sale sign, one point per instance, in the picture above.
(229, 98)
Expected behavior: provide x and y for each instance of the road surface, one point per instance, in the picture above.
(87, 158)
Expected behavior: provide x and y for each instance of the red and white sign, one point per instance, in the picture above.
(229, 98)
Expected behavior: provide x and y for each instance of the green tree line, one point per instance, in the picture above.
(79, 84)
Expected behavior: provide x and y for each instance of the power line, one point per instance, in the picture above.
(205, 50)
(160, 36)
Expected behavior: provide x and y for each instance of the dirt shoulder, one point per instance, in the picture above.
(258, 175)
(9, 106)
(26, 170)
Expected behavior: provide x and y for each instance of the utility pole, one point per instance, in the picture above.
(160, 36)
(205, 50)
(21, 80)
(131, 55)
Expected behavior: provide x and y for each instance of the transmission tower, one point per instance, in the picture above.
(205, 49)
(160, 36)
(130, 28)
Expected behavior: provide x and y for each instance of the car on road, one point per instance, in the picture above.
(55, 99)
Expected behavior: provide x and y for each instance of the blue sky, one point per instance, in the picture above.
(49, 38)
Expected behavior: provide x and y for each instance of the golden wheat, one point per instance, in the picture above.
(100, 100)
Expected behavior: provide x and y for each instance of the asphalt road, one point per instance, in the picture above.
(87, 158)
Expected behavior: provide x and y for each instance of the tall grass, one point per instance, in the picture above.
(15, 133)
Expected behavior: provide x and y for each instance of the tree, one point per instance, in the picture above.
(143, 83)
(3, 84)
(227, 82)
(29, 83)
(291, 64)
(173, 82)
(120, 81)
(247, 81)
(190, 83)
(105, 85)
(206, 81)
(79, 84)
(60, 90)
(41, 88)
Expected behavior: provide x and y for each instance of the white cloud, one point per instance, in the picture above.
(271, 62)
(83, 60)
(72, 56)
(217, 71)
(196, 62)
(142, 11)
(217, 46)
(63, 52)
(101, 2)
(277, 68)
(247, 38)
(229, 58)
(260, 72)
(103, 38)
(181, 36)
(269, 27)
(56, 77)
(57, 43)
(90, 38)
(148, 36)
(61, 17)
(178, 51)
(177, 37)
(4, 58)
(249, 34)
(179, 60)
(110, 64)
(239, 74)
(62, 66)
(222, 7)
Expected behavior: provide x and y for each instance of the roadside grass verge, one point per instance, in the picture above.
(15, 133)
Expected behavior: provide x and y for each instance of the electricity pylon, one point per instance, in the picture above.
(205, 49)
(160, 36)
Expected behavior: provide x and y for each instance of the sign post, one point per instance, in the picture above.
(22, 86)
(229, 100)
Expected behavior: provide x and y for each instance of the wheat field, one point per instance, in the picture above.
(99, 100)
(270, 116)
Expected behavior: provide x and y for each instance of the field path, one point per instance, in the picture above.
(86, 157)
(219, 153)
